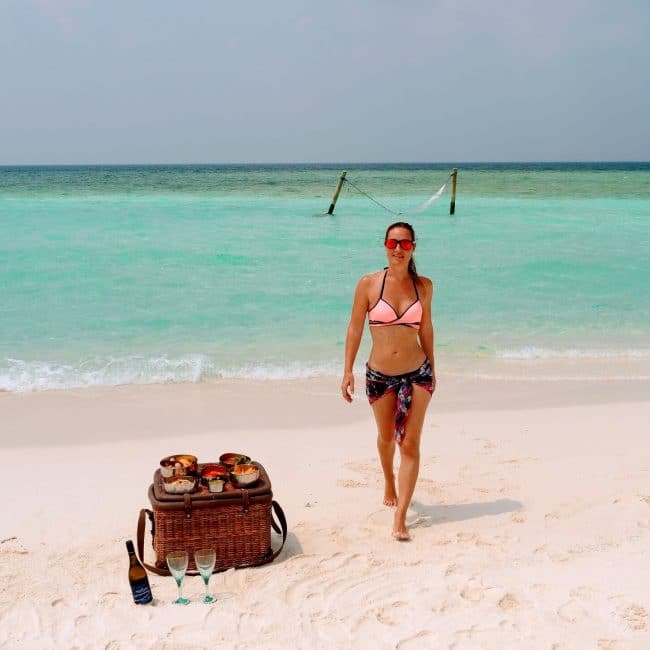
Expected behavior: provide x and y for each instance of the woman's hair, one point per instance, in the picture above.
(402, 224)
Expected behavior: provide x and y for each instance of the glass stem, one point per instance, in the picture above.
(206, 580)
(180, 589)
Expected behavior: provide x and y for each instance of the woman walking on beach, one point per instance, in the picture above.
(400, 373)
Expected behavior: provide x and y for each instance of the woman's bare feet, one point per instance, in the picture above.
(390, 494)
(402, 536)
(399, 529)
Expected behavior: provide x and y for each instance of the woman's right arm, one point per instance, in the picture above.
(353, 336)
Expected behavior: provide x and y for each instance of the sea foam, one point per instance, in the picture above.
(26, 376)
(532, 352)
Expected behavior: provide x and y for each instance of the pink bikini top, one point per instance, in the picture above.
(382, 313)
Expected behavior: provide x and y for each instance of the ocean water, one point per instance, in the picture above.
(145, 274)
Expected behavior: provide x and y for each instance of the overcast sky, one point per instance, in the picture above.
(323, 81)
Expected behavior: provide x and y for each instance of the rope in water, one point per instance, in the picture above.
(381, 205)
(395, 212)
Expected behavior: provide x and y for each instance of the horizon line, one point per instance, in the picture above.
(326, 164)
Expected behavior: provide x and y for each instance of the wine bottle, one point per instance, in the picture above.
(138, 578)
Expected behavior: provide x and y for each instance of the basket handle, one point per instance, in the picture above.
(140, 541)
(142, 518)
(279, 513)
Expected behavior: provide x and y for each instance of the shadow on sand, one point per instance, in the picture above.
(292, 546)
(436, 514)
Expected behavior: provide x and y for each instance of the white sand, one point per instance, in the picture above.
(530, 522)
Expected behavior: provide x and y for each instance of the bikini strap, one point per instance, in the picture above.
(383, 282)
(415, 286)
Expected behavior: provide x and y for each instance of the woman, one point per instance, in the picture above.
(400, 375)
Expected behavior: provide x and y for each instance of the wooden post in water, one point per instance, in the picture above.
(452, 205)
(337, 191)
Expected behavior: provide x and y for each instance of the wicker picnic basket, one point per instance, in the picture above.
(237, 524)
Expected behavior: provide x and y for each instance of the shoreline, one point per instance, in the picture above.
(105, 413)
(525, 364)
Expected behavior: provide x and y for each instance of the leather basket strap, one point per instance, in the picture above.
(142, 519)
(279, 513)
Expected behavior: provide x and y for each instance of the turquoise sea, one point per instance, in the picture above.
(144, 274)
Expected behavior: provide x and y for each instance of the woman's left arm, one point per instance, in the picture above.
(426, 333)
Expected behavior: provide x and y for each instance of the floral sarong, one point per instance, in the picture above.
(378, 384)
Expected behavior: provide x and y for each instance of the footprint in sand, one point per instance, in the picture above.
(509, 601)
(85, 626)
(441, 607)
(451, 569)
(308, 586)
(138, 640)
(583, 591)
(384, 519)
(348, 483)
(565, 510)
(572, 611)
(108, 597)
(472, 593)
(367, 470)
(555, 555)
(339, 561)
(12, 546)
(428, 485)
(386, 617)
(635, 617)
(609, 644)
(381, 517)
(505, 623)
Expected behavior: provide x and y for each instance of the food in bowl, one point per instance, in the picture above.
(214, 471)
(230, 459)
(245, 474)
(179, 484)
(216, 484)
(178, 465)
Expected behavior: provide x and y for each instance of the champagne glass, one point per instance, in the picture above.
(205, 559)
(177, 563)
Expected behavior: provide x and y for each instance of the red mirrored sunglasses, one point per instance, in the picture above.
(404, 244)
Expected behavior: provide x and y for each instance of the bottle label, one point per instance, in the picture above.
(141, 592)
